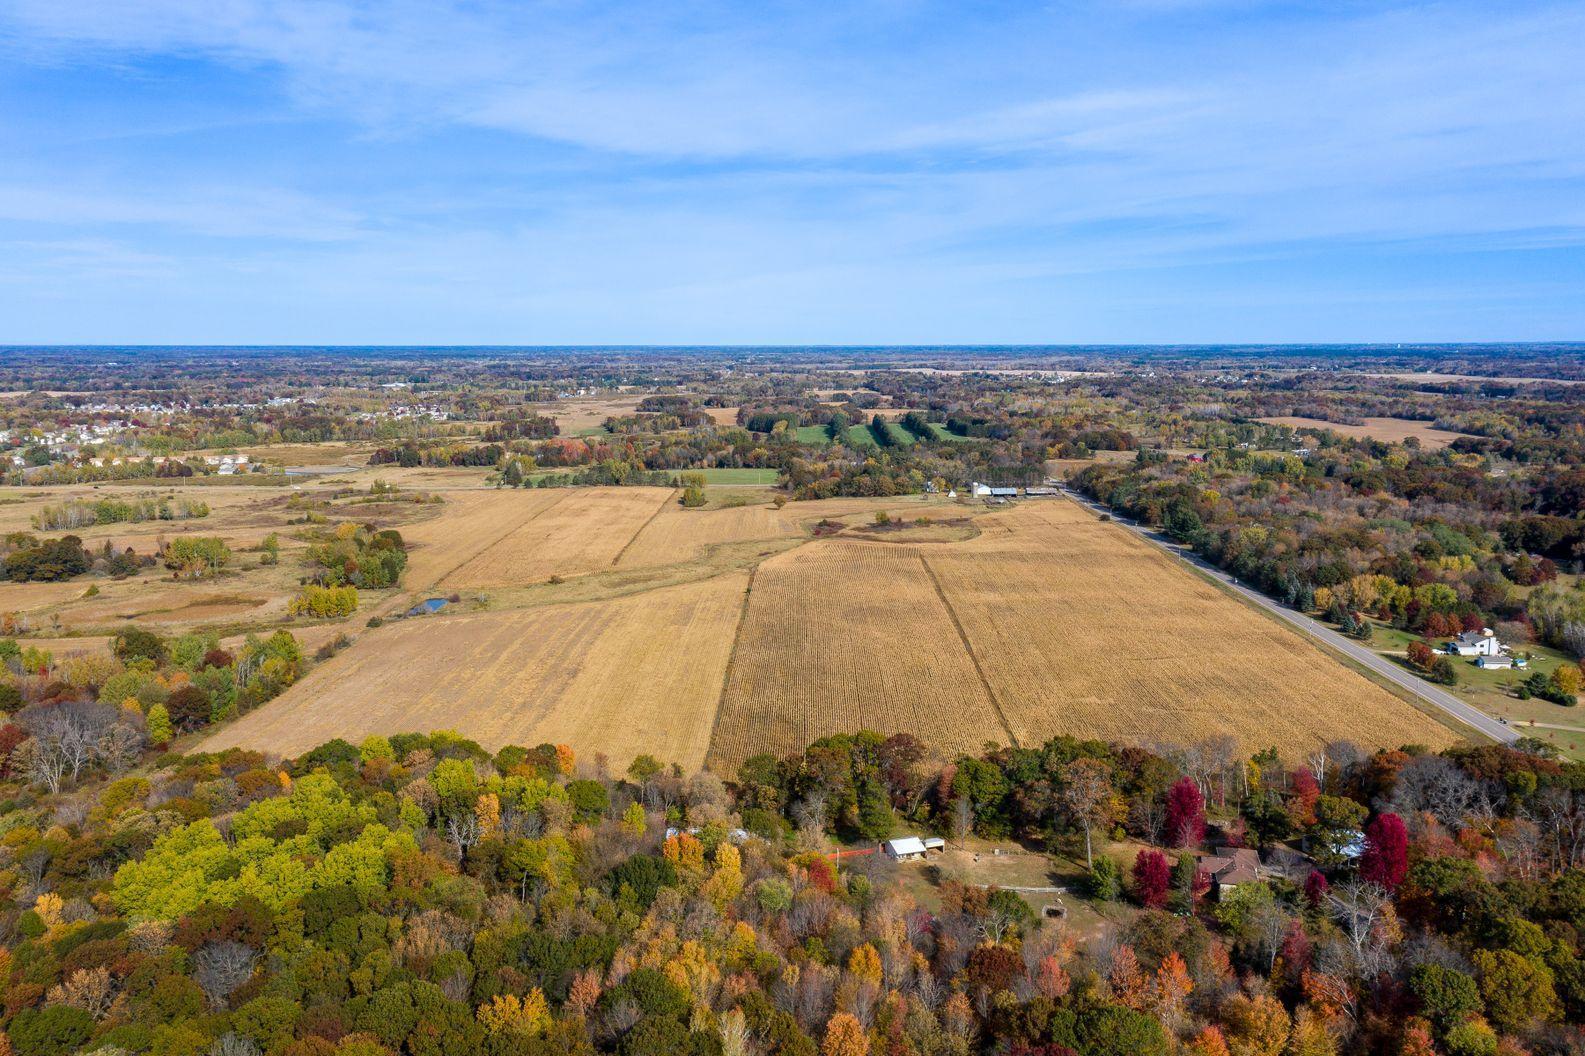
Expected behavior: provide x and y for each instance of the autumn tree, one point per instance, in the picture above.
(845, 1036)
(1086, 796)
(1185, 814)
(1386, 857)
(1152, 879)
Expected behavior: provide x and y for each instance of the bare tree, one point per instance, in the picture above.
(1361, 909)
(221, 967)
(230, 1044)
(119, 746)
(462, 831)
(1318, 764)
(1430, 783)
(68, 738)
(1221, 754)
(962, 817)
(1560, 824)
(1086, 798)
(995, 923)
(809, 813)
(39, 762)
(1345, 756)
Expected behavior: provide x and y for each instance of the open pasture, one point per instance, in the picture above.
(1387, 430)
(622, 677)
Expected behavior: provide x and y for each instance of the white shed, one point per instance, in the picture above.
(905, 849)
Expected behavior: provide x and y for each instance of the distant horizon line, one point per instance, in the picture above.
(796, 346)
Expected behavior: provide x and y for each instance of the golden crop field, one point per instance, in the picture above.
(1082, 628)
(636, 674)
(1387, 430)
(584, 529)
(470, 523)
(582, 413)
(1049, 622)
(676, 534)
(842, 635)
(982, 626)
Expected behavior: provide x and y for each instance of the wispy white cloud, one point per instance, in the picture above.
(657, 159)
(223, 212)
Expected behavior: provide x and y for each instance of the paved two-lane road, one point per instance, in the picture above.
(1466, 714)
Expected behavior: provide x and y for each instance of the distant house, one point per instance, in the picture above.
(1230, 866)
(427, 607)
(1476, 643)
(1501, 662)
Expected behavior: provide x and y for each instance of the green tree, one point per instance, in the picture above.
(159, 725)
(1519, 992)
(1446, 995)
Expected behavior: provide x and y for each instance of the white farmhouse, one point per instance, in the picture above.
(1471, 643)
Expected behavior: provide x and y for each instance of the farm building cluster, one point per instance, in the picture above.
(1487, 649)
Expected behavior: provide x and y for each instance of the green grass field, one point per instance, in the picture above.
(735, 476)
(1493, 691)
(900, 436)
(859, 436)
(813, 434)
(943, 433)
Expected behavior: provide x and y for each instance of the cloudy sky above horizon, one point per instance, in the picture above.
(245, 171)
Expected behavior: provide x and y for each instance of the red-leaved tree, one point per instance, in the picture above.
(1386, 857)
(1152, 879)
(1315, 888)
(1185, 814)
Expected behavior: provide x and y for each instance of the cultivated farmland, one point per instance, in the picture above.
(1387, 430)
(582, 530)
(1049, 622)
(621, 677)
(845, 635)
(1046, 621)
(676, 534)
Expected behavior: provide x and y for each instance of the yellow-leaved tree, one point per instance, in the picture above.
(845, 1037)
(509, 1014)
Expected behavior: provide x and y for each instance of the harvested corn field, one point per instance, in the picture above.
(846, 635)
(676, 534)
(583, 530)
(1387, 430)
(1081, 628)
(1049, 622)
(470, 523)
(623, 677)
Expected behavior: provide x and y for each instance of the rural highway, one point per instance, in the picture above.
(1466, 714)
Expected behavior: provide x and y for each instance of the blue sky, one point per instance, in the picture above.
(245, 171)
